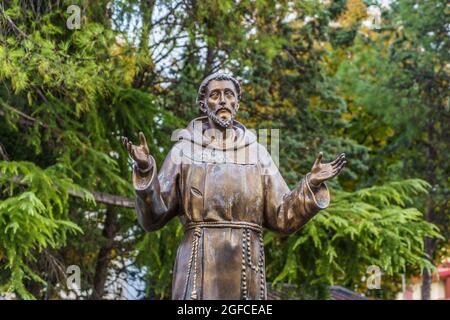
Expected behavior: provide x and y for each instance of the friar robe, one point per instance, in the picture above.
(223, 196)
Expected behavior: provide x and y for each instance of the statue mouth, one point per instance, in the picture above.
(223, 117)
(224, 113)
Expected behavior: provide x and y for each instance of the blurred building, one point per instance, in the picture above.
(440, 287)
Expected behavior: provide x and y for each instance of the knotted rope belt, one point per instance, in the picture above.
(224, 224)
(246, 253)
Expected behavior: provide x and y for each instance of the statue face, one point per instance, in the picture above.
(221, 102)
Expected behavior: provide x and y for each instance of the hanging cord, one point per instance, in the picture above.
(189, 269)
(255, 268)
(261, 268)
(197, 234)
(244, 265)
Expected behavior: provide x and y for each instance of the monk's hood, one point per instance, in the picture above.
(194, 133)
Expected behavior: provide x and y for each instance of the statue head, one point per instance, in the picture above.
(218, 97)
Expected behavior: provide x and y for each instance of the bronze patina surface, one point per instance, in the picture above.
(225, 188)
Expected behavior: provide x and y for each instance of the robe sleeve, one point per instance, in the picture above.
(286, 211)
(157, 196)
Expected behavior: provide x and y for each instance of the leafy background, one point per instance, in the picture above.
(317, 70)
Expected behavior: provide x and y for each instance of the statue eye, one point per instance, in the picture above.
(214, 95)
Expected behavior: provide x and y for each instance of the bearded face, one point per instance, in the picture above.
(221, 102)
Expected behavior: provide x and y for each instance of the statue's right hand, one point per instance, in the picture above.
(140, 154)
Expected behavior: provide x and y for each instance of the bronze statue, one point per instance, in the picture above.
(224, 187)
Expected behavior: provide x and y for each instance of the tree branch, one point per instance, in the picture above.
(24, 118)
(99, 197)
(110, 229)
(106, 198)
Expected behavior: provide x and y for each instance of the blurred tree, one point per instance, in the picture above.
(306, 67)
(397, 81)
(66, 98)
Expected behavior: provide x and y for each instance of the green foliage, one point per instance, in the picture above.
(33, 218)
(397, 84)
(372, 226)
(310, 68)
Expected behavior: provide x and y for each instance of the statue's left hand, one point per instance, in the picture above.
(321, 172)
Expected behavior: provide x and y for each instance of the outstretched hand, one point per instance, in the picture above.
(321, 172)
(139, 153)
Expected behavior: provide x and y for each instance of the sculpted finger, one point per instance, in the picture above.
(129, 147)
(338, 158)
(132, 153)
(318, 159)
(341, 166)
(341, 162)
(126, 142)
(338, 162)
(142, 139)
(335, 161)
